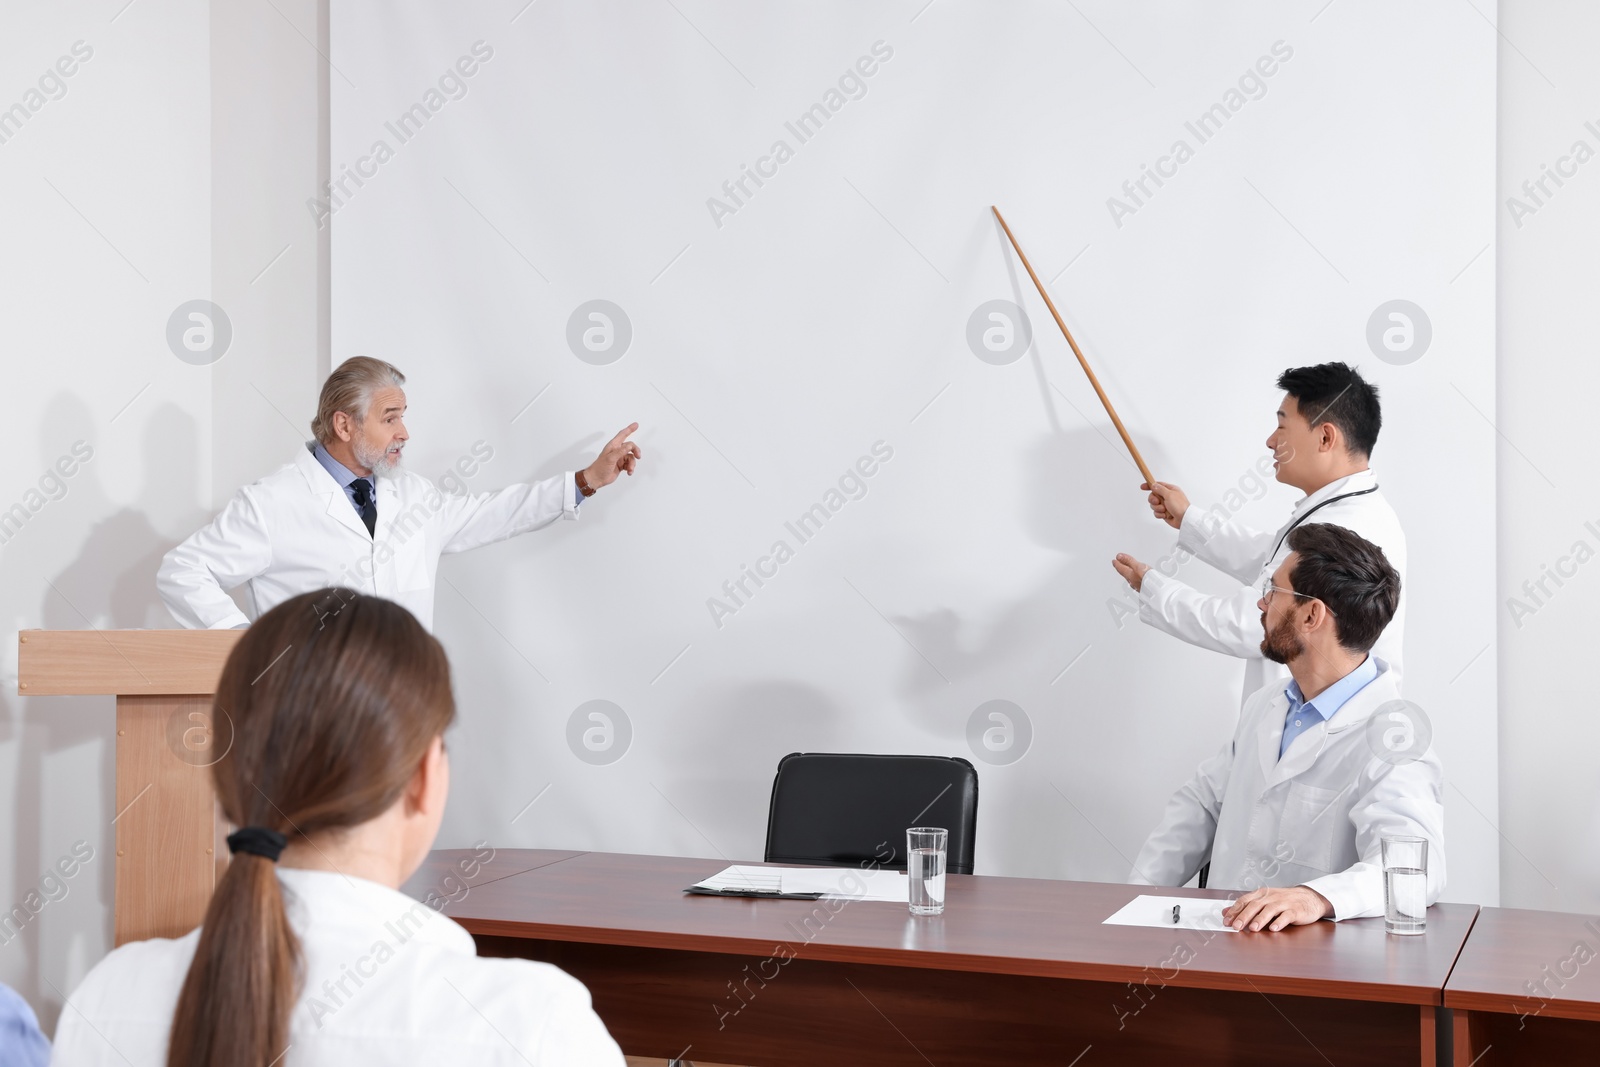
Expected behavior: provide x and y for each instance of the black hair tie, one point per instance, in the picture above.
(258, 841)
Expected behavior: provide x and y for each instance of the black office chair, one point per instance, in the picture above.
(840, 810)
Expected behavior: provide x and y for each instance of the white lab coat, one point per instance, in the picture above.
(1317, 817)
(295, 530)
(1232, 624)
(387, 981)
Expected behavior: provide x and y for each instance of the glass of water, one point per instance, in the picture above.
(925, 856)
(1405, 884)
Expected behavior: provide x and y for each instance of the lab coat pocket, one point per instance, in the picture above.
(1311, 822)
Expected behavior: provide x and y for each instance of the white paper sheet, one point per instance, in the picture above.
(845, 883)
(764, 879)
(1193, 914)
(848, 883)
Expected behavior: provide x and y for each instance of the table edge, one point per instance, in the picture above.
(1187, 978)
(1503, 1004)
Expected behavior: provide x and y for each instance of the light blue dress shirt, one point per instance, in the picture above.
(344, 476)
(21, 1043)
(1303, 714)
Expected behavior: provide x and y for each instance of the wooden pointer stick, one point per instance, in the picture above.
(1084, 363)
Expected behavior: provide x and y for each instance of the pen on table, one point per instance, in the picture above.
(1175, 912)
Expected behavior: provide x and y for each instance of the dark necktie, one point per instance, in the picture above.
(369, 510)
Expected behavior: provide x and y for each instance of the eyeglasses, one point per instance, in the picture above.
(1267, 589)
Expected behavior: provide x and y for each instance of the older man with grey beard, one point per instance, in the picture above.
(345, 513)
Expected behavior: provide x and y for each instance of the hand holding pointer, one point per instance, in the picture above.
(1167, 502)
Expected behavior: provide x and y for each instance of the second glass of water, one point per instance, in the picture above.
(1405, 884)
(925, 856)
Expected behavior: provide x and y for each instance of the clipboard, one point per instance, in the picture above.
(731, 891)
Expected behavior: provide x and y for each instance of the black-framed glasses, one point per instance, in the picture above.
(1267, 589)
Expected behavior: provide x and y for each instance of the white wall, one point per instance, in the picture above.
(772, 347)
(169, 170)
(128, 145)
(269, 144)
(106, 231)
(1548, 277)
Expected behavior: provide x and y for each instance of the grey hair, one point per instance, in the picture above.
(349, 389)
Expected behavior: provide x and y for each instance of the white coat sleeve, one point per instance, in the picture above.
(1229, 624)
(1175, 851)
(484, 518)
(1397, 800)
(574, 1034)
(232, 549)
(1217, 540)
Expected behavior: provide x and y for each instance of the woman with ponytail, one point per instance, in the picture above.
(309, 955)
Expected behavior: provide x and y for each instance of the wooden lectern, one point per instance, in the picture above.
(167, 822)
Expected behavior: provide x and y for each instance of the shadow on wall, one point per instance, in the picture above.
(1075, 642)
(109, 582)
(1083, 507)
(1084, 503)
(1082, 671)
(112, 583)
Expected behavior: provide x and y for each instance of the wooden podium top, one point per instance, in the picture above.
(121, 662)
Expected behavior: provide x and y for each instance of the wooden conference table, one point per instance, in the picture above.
(1017, 970)
(1526, 989)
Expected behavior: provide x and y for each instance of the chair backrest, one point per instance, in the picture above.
(841, 810)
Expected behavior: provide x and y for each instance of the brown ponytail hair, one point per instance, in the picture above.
(333, 698)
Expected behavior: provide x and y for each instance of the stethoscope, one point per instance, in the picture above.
(1312, 511)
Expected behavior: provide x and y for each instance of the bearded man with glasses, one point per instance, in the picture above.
(1293, 809)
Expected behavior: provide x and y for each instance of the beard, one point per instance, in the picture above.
(376, 459)
(1281, 644)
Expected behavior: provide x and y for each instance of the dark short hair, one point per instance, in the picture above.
(1349, 574)
(1336, 393)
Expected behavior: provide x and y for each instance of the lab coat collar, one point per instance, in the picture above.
(319, 483)
(1328, 703)
(330, 907)
(1269, 738)
(1353, 483)
(1368, 699)
(388, 497)
(341, 474)
(1308, 746)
